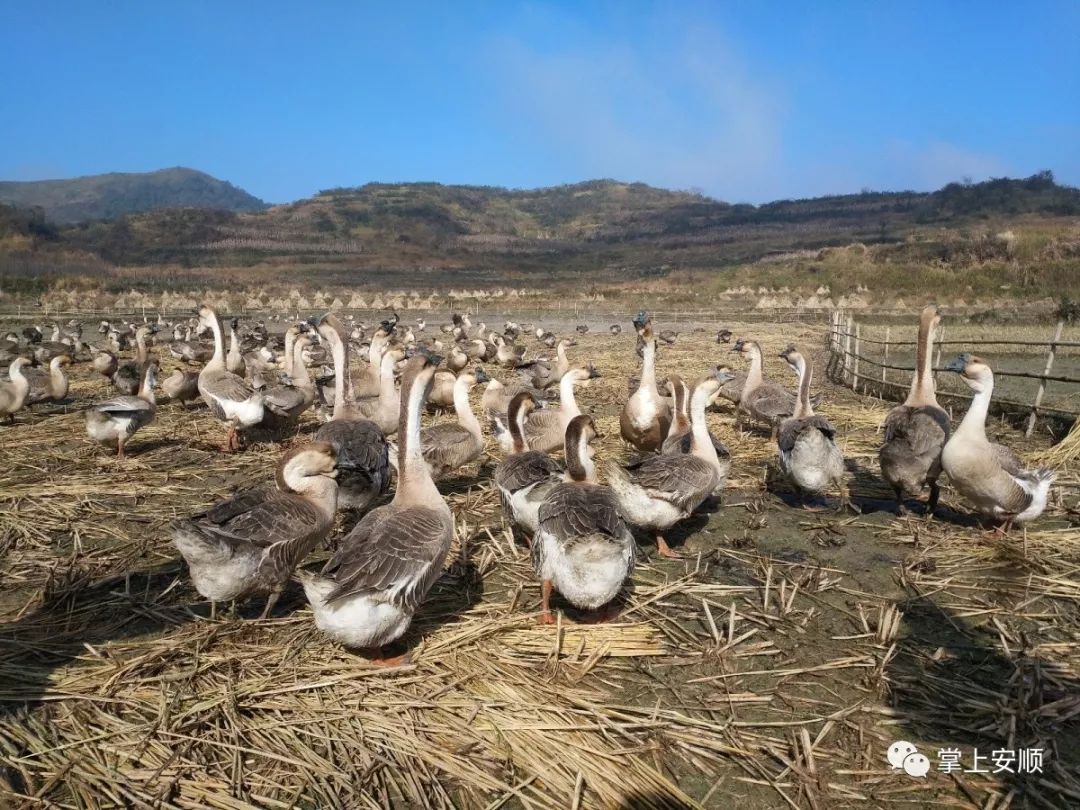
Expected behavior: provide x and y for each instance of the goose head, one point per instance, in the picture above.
(305, 466)
(477, 375)
(580, 433)
(724, 375)
(746, 348)
(972, 370)
(792, 357)
(641, 320)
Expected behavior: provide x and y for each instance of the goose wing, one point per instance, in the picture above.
(263, 518)
(447, 445)
(924, 429)
(523, 469)
(227, 385)
(677, 479)
(577, 510)
(792, 429)
(771, 401)
(395, 552)
(362, 452)
(123, 406)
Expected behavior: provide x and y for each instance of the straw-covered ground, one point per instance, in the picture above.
(771, 667)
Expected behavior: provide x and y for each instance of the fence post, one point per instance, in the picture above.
(1042, 382)
(847, 344)
(855, 363)
(885, 359)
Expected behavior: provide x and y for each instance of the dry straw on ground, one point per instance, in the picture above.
(769, 668)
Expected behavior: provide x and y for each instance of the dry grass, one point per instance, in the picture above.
(769, 668)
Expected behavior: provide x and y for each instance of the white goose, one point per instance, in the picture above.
(230, 398)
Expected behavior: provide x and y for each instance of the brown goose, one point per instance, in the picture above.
(368, 592)
(128, 375)
(545, 429)
(362, 453)
(234, 360)
(51, 385)
(383, 410)
(765, 401)
(181, 386)
(116, 420)
(284, 403)
(661, 490)
(680, 437)
(230, 398)
(583, 549)
(252, 542)
(525, 476)
(809, 456)
(990, 475)
(646, 417)
(916, 431)
(449, 446)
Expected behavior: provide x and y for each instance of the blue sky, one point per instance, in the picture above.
(745, 101)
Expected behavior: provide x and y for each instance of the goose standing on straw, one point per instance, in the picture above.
(367, 594)
(990, 475)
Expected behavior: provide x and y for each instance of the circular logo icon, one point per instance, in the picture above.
(916, 765)
(898, 751)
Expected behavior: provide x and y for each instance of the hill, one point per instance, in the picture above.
(1014, 233)
(107, 196)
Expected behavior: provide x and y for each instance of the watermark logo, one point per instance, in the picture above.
(903, 756)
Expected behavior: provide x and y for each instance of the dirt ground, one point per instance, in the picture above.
(772, 666)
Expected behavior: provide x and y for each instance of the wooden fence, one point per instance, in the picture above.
(849, 364)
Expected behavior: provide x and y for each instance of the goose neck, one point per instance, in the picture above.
(973, 425)
(700, 442)
(415, 484)
(462, 409)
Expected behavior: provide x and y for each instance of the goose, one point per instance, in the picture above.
(234, 360)
(767, 402)
(990, 475)
(189, 350)
(495, 402)
(539, 374)
(724, 336)
(13, 392)
(809, 456)
(659, 491)
(230, 398)
(916, 431)
(545, 429)
(367, 594)
(646, 417)
(181, 386)
(251, 542)
(549, 339)
(508, 355)
(362, 453)
(583, 548)
(129, 375)
(581, 328)
(457, 359)
(448, 446)
(668, 336)
(382, 410)
(615, 329)
(116, 420)
(525, 476)
(105, 363)
(442, 391)
(679, 438)
(283, 403)
(540, 332)
(51, 385)
(421, 324)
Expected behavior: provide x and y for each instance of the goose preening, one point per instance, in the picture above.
(50, 385)
(646, 417)
(916, 431)
(990, 475)
(229, 397)
(366, 595)
(449, 446)
(525, 476)
(14, 391)
(545, 429)
(659, 491)
(116, 420)
(766, 402)
(251, 543)
(582, 547)
(362, 453)
(809, 456)
(181, 386)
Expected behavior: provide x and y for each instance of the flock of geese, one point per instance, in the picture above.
(577, 528)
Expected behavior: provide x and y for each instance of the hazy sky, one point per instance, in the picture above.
(746, 101)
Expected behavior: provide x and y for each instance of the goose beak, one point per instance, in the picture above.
(957, 364)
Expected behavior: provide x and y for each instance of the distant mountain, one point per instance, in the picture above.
(107, 196)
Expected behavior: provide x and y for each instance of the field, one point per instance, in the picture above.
(771, 667)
